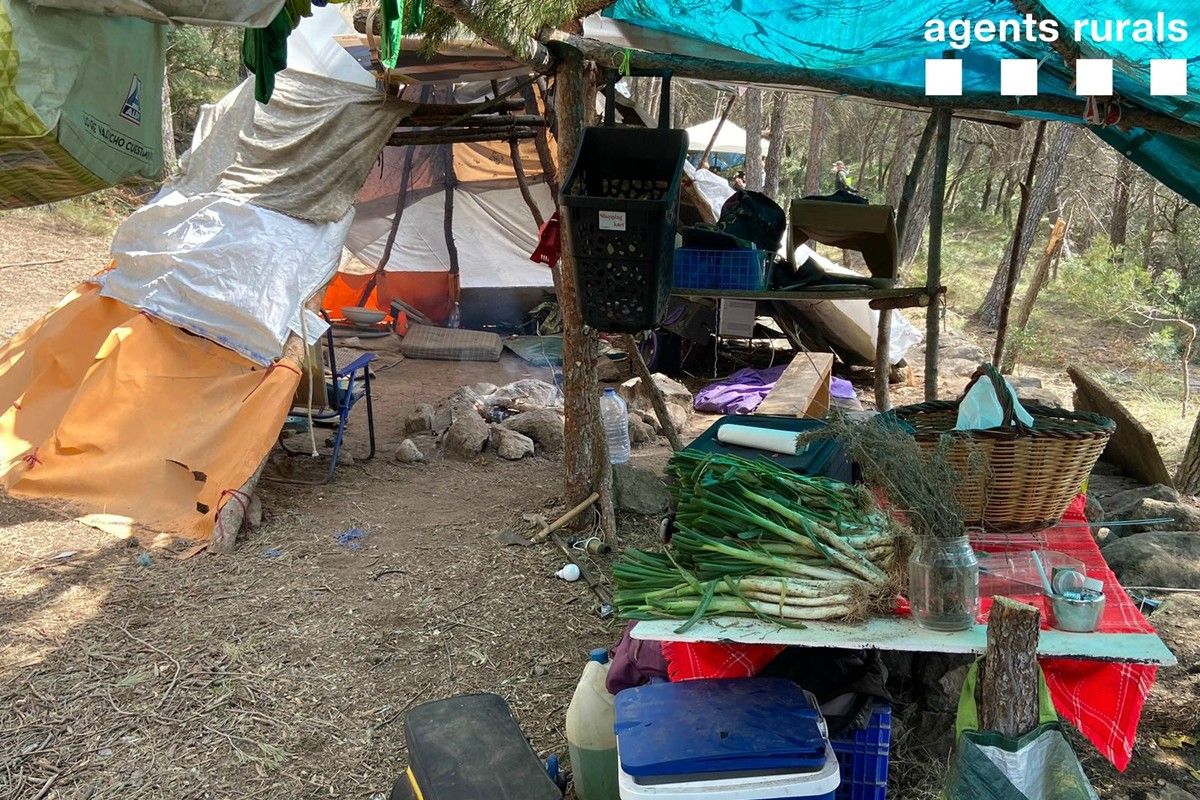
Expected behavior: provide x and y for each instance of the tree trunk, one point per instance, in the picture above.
(896, 175)
(1118, 230)
(586, 458)
(778, 139)
(168, 129)
(816, 140)
(1008, 680)
(987, 192)
(1049, 255)
(1187, 478)
(754, 129)
(1151, 224)
(1052, 167)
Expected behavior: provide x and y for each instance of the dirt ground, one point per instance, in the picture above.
(285, 670)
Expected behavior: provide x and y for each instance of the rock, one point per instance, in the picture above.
(965, 352)
(481, 389)
(1161, 558)
(610, 371)
(1122, 504)
(1182, 517)
(958, 368)
(651, 419)
(1108, 470)
(1045, 397)
(1020, 382)
(511, 445)
(1169, 791)
(421, 419)
(639, 491)
(1093, 510)
(679, 417)
(1132, 446)
(467, 434)
(674, 392)
(409, 453)
(345, 459)
(526, 393)
(1103, 536)
(639, 431)
(543, 425)
(443, 415)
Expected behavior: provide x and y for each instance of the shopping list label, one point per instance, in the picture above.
(612, 220)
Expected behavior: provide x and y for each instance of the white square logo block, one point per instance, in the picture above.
(1019, 77)
(1168, 77)
(1093, 77)
(943, 77)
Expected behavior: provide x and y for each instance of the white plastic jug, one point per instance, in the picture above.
(590, 738)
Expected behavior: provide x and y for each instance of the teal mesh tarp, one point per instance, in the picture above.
(883, 42)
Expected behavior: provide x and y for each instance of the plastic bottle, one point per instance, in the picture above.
(590, 737)
(615, 416)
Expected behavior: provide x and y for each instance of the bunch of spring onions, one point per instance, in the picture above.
(753, 538)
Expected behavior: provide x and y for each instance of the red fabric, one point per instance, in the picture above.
(1103, 700)
(687, 661)
(549, 243)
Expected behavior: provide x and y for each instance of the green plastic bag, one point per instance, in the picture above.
(80, 102)
(1037, 766)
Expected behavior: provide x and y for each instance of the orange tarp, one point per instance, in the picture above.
(431, 293)
(116, 412)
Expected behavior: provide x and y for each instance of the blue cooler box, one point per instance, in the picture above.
(742, 739)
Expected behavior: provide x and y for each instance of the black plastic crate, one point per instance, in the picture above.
(622, 196)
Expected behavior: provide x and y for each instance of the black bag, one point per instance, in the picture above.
(748, 220)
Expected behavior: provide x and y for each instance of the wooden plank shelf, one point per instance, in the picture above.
(902, 633)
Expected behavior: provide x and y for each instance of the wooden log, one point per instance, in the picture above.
(234, 514)
(473, 121)
(514, 153)
(397, 215)
(772, 74)
(717, 130)
(933, 276)
(1010, 281)
(453, 110)
(459, 136)
(656, 396)
(542, 141)
(918, 299)
(1008, 682)
(1053, 245)
(586, 458)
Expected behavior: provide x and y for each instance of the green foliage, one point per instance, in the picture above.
(203, 64)
(501, 19)
(1102, 286)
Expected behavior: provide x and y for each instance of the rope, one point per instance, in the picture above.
(31, 459)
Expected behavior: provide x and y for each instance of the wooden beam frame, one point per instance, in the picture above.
(933, 276)
(612, 56)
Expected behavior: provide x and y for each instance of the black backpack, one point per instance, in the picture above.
(748, 219)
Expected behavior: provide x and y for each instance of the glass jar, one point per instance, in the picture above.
(943, 583)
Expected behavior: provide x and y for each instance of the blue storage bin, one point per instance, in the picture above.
(738, 739)
(863, 757)
(721, 269)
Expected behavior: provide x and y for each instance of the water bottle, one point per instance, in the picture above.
(615, 416)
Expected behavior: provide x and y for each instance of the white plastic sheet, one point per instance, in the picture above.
(223, 268)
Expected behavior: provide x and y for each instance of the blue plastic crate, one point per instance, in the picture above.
(863, 757)
(721, 269)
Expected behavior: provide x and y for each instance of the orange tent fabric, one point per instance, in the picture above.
(120, 413)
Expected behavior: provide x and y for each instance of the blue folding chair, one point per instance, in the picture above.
(346, 386)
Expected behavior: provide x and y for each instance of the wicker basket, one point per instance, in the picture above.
(1033, 473)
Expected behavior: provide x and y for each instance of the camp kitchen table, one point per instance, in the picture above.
(1099, 681)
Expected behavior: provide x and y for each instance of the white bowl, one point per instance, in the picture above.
(363, 316)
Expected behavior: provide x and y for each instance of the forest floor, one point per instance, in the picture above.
(285, 669)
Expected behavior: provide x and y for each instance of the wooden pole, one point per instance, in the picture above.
(1010, 280)
(1008, 683)
(586, 458)
(656, 396)
(1041, 273)
(451, 181)
(717, 130)
(933, 278)
(397, 214)
(883, 362)
(514, 152)
(542, 139)
(461, 135)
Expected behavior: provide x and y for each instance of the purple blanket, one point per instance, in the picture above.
(740, 393)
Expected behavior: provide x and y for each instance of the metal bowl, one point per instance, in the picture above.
(363, 316)
(1077, 616)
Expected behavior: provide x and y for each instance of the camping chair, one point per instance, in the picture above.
(344, 387)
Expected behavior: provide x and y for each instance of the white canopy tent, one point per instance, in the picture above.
(731, 139)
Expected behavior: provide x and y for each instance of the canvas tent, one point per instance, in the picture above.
(493, 229)
(730, 139)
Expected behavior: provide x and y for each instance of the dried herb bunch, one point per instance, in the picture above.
(921, 485)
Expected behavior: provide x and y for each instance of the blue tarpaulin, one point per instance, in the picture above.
(884, 44)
